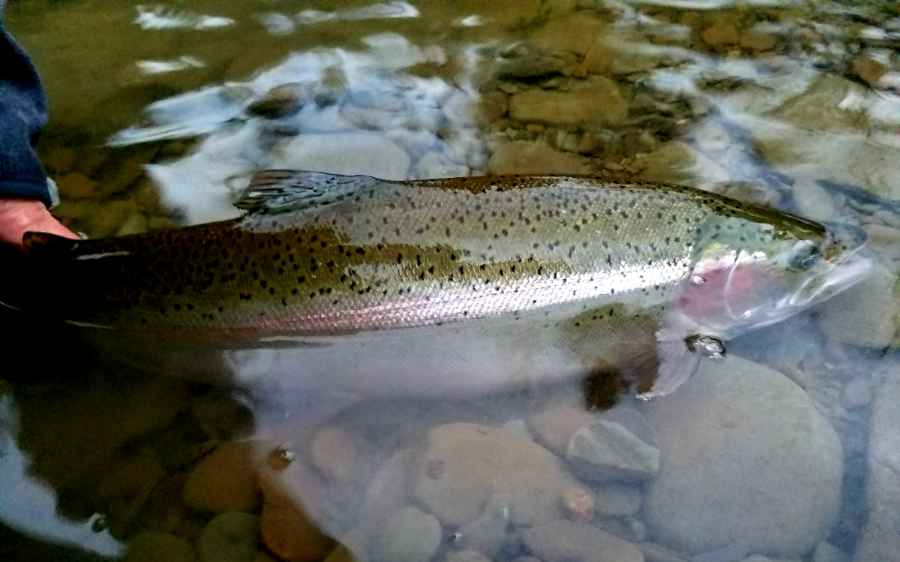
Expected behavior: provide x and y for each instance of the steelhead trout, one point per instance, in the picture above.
(435, 284)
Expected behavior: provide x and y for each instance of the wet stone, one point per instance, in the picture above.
(281, 101)
(616, 500)
(467, 556)
(578, 504)
(229, 537)
(826, 552)
(561, 541)
(487, 533)
(620, 446)
(554, 427)
(225, 480)
(866, 315)
(110, 217)
(58, 159)
(76, 186)
(595, 101)
(657, 553)
(465, 463)
(387, 490)
(334, 453)
(758, 41)
(523, 157)
(159, 547)
(733, 413)
(408, 535)
(720, 34)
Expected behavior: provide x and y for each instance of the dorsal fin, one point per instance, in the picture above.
(279, 191)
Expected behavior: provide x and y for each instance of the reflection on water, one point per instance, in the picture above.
(787, 450)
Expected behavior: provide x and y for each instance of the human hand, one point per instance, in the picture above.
(18, 216)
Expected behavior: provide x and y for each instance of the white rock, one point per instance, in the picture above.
(345, 153)
(436, 165)
(562, 540)
(746, 458)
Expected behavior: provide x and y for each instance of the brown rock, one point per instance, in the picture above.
(553, 428)
(76, 186)
(110, 217)
(758, 42)
(225, 480)
(59, 159)
(494, 105)
(595, 101)
(333, 453)
(281, 101)
(868, 69)
(721, 34)
(523, 157)
(286, 528)
(465, 463)
(561, 541)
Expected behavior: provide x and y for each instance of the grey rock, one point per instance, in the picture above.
(467, 556)
(657, 553)
(487, 533)
(761, 558)
(561, 541)
(880, 539)
(345, 153)
(596, 101)
(554, 427)
(734, 552)
(735, 413)
(857, 393)
(408, 535)
(616, 500)
(229, 537)
(867, 315)
(618, 447)
(387, 490)
(464, 463)
(827, 552)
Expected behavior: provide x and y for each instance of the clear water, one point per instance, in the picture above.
(159, 114)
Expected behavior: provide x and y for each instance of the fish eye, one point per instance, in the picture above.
(805, 255)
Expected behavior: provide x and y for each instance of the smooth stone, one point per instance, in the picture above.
(387, 490)
(866, 315)
(826, 552)
(813, 201)
(281, 101)
(880, 539)
(487, 533)
(437, 165)
(333, 452)
(465, 463)
(617, 500)
(734, 552)
(523, 157)
(857, 393)
(229, 537)
(58, 159)
(822, 106)
(159, 547)
(735, 413)
(76, 185)
(345, 153)
(136, 223)
(408, 535)
(720, 34)
(618, 447)
(578, 504)
(758, 42)
(554, 427)
(678, 162)
(467, 556)
(287, 530)
(657, 553)
(761, 558)
(596, 101)
(110, 217)
(562, 541)
(225, 480)
(574, 33)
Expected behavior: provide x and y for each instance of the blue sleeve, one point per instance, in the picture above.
(23, 113)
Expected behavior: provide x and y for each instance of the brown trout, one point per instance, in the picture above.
(429, 285)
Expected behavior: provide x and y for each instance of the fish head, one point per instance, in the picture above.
(749, 272)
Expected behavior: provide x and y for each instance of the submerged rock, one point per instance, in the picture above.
(286, 528)
(596, 101)
(464, 463)
(867, 315)
(408, 535)
(522, 157)
(746, 458)
(345, 153)
(554, 427)
(225, 480)
(880, 539)
(281, 101)
(230, 537)
(620, 446)
(159, 547)
(561, 541)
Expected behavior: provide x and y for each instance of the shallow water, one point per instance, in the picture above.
(160, 113)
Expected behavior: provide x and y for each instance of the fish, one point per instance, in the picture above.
(441, 286)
